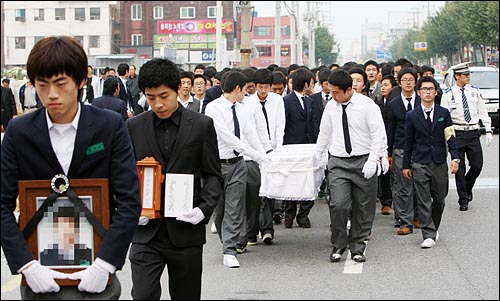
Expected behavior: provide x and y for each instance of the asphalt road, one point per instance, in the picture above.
(464, 264)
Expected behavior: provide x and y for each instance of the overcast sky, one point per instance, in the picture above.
(349, 15)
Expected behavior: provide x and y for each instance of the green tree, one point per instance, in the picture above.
(324, 43)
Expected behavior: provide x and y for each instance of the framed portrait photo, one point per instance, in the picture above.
(64, 238)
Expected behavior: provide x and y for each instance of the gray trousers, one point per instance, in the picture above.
(351, 195)
(431, 188)
(112, 292)
(266, 216)
(402, 191)
(253, 203)
(230, 213)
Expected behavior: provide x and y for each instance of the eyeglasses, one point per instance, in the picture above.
(408, 80)
(427, 89)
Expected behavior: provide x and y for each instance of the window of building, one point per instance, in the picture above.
(80, 14)
(262, 31)
(136, 10)
(21, 15)
(38, 38)
(137, 39)
(20, 43)
(95, 13)
(187, 13)
(39, 14)
(264, 50)
(167, 11)
(211, 12)
(94, 42)
(60, 14)
(158, 12)
(285, 31)
(79, 39)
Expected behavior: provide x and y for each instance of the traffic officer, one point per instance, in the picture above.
(467, 107)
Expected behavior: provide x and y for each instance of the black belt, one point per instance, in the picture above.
(231, 160)
(32, 107)
(352, 157)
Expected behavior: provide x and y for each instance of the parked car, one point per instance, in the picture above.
(487, 80)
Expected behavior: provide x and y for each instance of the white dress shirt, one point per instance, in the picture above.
(62, 139)
(275, 108)
(366, 129)
(452, 100)
(221, 113)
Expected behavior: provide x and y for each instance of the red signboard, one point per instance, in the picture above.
(193, 26)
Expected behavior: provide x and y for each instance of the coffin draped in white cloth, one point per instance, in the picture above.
(292, 173)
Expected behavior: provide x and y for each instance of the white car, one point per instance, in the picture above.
(487, 80)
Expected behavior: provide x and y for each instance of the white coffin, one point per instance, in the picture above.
(292, 173)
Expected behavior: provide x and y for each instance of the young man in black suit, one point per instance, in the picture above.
(79, 141)
(184, 142)
(299, 129)
(428, 132)
(109, 99)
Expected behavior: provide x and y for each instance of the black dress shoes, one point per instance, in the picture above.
(358, 257)
(304, 222)
(464, 208)
(336, 254)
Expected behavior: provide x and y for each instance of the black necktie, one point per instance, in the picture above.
(263, 103)
(303, 102)
(327, 97)
(408, 108)
(345, 126)
(466, 106)
(429, 121)
(236, 126)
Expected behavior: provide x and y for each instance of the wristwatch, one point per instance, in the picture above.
(457, 160)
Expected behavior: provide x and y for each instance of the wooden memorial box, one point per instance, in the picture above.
(150, 179)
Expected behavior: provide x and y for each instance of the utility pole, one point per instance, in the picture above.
(218, 36)
(277, 34)
(246, 19)
(293, 33)
(311, 22)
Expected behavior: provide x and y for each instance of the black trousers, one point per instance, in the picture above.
(468, 145)
(148, 261)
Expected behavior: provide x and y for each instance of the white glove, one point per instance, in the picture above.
(385, 165)
(263, 160)
(41, 279)
(489, 139)
(143, 221)
(193, 216)
(318, 158)
(94, 278)
(370, 168)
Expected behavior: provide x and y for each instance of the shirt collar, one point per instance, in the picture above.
(175, 117)
(74, 123)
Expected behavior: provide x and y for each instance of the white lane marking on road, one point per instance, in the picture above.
(351, 266)
(481, 183)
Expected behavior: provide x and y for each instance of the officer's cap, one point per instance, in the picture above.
(462, 69)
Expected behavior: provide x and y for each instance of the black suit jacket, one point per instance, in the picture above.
(111, 103)
(299, 126)
(396, 116)
(51, 257)
(318, 106)
(195, 152)
(8, 106)
(125, 95)
(27, 154)
(424, 145)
